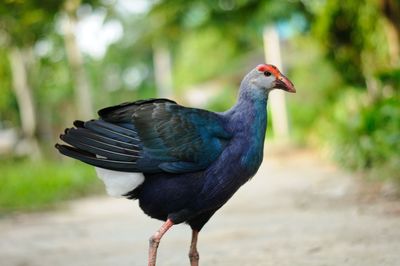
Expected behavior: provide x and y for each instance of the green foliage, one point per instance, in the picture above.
(310, 73)
(26, 186)
(353, 35)
(390, 77)
(364, 136)
(223, 101)
(8, 105)
(238, 20)
(191, 68)
(358, 122)
(27, 21)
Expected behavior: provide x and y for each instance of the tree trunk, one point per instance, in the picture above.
(27, 110)
(391, 12)
(162, 70)
(83, 96)
(277, 100)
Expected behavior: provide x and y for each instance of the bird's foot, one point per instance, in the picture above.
(194, 258)
(154, 241)
(193, 253)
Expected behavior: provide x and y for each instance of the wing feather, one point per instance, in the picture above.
(155, 135)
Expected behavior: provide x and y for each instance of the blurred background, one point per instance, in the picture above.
(63, 60)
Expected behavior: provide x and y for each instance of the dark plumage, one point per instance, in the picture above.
(192, 160)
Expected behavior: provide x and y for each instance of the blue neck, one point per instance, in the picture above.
(242, 157)
(248, 119)
(249, 113)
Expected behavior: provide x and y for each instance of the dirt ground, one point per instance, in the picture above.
(297, 211)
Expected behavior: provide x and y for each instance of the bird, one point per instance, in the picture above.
(182, 164)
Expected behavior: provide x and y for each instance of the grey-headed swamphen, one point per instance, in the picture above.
(181, 163)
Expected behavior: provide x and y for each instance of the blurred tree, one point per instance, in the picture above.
(8, 105)
(360, 37)
(83, 95)
(237, 20)
(22, 23)
(391, 12)
(234, 25)
(126, 70)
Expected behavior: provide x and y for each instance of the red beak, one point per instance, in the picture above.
(285, 84)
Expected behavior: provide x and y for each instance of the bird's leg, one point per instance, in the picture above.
(155, 241)
(193, 253)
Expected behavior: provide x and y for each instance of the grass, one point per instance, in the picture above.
(30, 186)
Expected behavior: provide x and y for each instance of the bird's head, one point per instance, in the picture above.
(268, 77)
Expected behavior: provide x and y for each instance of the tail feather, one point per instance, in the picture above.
(114, 127)
(102, 144)
(79, 123)
(96, 148)
(83, 132)
(99, 162)
(116, 131)
(95, 140)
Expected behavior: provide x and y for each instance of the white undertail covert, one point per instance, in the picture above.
(119, 183)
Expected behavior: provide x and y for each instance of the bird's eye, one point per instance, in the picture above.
(267, 73)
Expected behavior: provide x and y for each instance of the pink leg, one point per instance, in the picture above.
(155, 241)
(193, 253)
